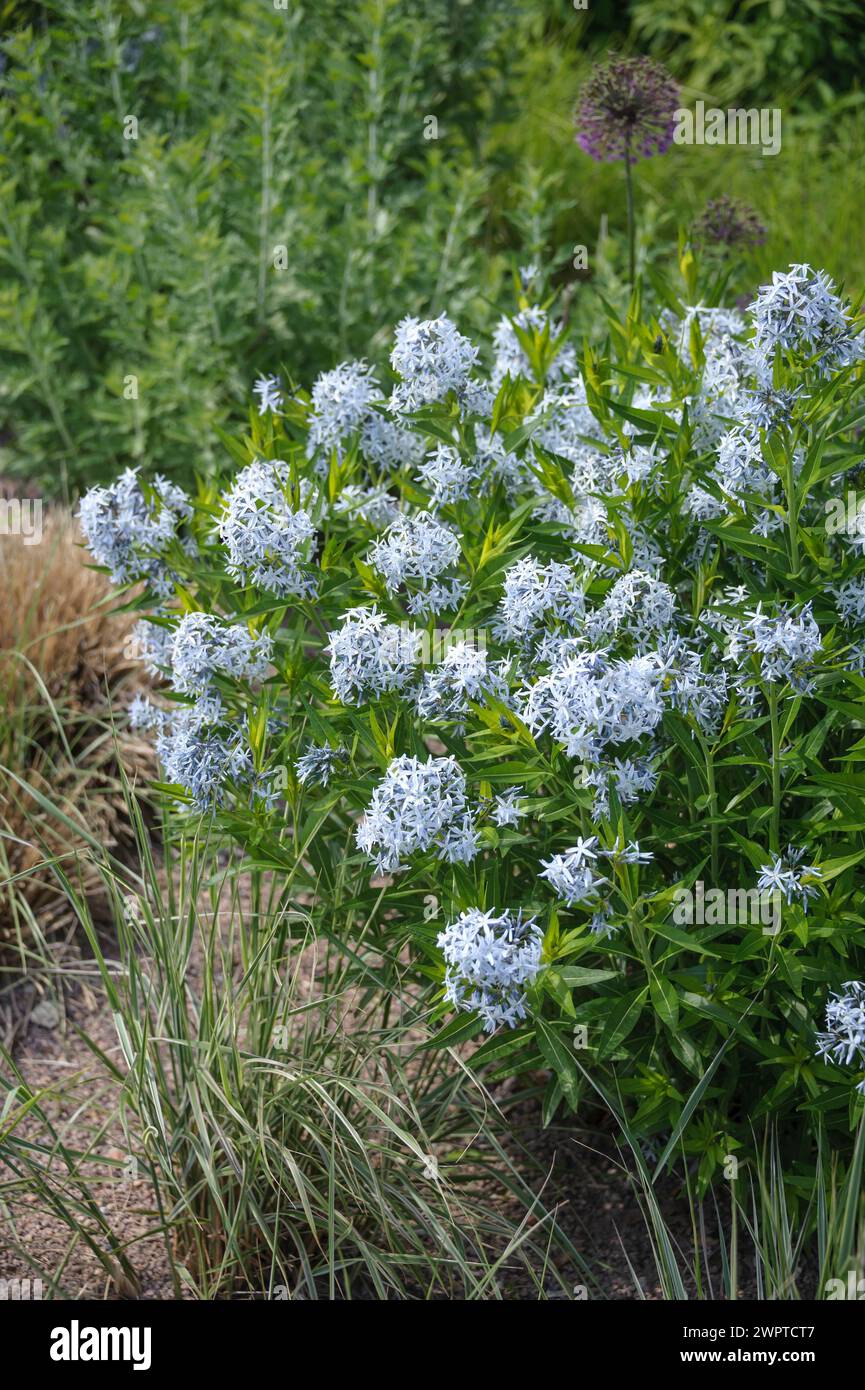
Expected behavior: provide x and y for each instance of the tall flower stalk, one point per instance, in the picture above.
(627, 111)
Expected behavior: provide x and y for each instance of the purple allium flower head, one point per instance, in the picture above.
(627, 110)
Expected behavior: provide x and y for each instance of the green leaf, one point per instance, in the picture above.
(665, 1000)
(576, 975)
(460, 1029)
(622, 1021)
(560, 1059)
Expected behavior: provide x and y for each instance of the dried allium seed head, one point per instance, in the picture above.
(725, 221)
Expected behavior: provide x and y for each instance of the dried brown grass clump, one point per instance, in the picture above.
(57, 614)
(64, 665)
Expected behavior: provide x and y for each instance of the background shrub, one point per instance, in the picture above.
(140, 295)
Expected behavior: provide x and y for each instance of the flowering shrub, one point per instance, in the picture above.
(526, 653)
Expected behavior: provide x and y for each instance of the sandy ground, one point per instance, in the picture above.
(82, 1105)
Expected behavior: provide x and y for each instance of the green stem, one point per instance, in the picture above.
(374, 97)
(775, 828)
(713, 812)
(792, 515)
(629, 186)
(264, 212)
(638, 936)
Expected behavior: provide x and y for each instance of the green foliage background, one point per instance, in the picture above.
(304, 127)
